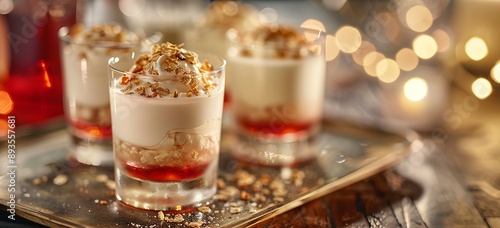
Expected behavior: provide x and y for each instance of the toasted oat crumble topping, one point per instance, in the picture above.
(231, 14)
(285, 41)
(172, 64)
(103, 33)
(280, 34)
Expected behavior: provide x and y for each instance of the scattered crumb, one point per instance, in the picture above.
(204, 209)
(221, 197)
(60, 179)
(229, 191)
(259, 197)
(161, 216)
(221, 183)
(45, 178)
(103, 202)
(257, 186)
(298, 177)
(244, 195)
(278, 199)
(233, 204)
(177, 218)
(280, 192)
(265, 179)
(235, 210)
(198, 223)
(102, 178)
(37, 181)
(244, 179)
(111, 184)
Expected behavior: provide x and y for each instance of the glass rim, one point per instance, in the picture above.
(233, 36)
(114, 60)
(63, 35)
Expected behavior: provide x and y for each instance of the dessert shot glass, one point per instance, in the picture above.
(209, 37)
(166, 115)
(278, 81)
(84, 55)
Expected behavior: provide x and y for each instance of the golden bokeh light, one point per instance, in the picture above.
(424, 46)
(442, 39)
(387, 70)
(419, 18)
(365, 48)
(334, 4)
(482, 88)
(415, 89)
(476, 48)
(230, 8)
(370, 62)
(331, 48)
(407, 59)
(6, 104)
(349, 39)
(6, 6)
(268, 15)
(495, 72)
(313, 24)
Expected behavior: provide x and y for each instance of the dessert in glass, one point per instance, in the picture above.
(173, 18)
(210, 34)
(278, 90)
(166, 114)
(84, 55)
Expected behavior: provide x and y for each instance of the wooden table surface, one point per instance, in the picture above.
(455, 183)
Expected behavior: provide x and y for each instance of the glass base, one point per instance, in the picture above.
(92, 152)
(282, 134)
(275, 153)
(166, 196)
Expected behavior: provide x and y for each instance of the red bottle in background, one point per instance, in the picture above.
(30, 73)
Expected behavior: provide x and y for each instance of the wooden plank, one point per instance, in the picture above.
(445, 201)
(407, 214)
(345, 211)
(377, 212)
(493, 222)
(487, 205)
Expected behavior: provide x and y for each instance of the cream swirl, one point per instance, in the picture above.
(175, 71)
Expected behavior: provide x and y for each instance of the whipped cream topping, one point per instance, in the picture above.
(103, 33)
(175, 72)
(274, 41)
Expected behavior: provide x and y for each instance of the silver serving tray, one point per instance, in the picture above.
(86, 199)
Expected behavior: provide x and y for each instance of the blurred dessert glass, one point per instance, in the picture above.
(30, 75)
(173, 18)
(85, 53)
(210, 34)
(166, 112)
(278, 90)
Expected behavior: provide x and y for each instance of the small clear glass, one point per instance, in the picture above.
(166, 149)
(277, 95)
(86, 96)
